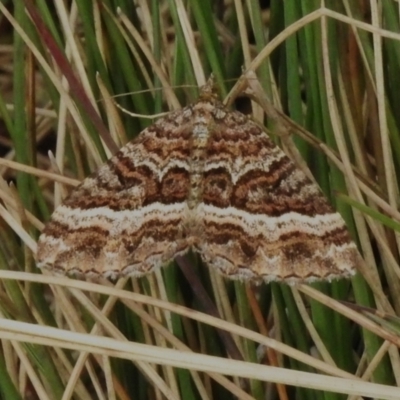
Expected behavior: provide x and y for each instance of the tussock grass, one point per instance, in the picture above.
(331, 72)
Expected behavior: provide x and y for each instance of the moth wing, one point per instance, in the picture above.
(129, 217)
(261, 217)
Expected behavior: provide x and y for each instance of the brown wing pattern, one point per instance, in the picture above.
(261, 217)
(204, 178)
(127, 218)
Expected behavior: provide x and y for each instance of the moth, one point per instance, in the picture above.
(203, 178)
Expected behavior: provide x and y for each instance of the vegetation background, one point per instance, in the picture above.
(331, 67)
